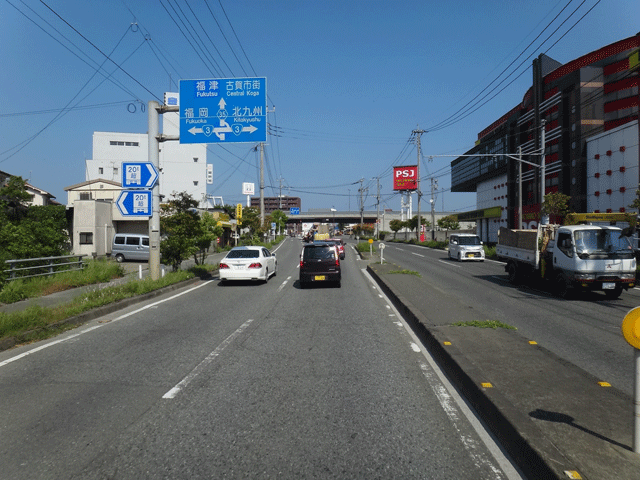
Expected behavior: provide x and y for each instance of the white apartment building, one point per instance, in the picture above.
(183, 167)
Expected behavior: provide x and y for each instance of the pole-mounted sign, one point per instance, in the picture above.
(223, 110)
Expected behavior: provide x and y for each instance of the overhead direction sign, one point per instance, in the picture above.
(139, 175)
(223, 110)
(135, 203)
(294, 211)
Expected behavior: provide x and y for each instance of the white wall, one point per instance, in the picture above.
(492, 193)
(608, 187)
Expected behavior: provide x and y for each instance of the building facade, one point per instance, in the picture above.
(183, 167)
(568, 108)
(272, 204)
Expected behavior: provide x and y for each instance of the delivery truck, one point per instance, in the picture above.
(573, 258)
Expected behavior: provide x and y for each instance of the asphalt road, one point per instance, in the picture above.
(584, 331)
(240, 381)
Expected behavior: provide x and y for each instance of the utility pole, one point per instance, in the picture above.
(154, 138)
(361, 190)
(418, 134)
(434, 187)
(262, 185)
(378, 210)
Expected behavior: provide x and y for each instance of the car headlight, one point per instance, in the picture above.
(585, 276)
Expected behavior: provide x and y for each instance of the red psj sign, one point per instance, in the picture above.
(405, 178)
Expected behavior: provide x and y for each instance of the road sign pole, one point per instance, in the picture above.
(636, 401)
(154, 222)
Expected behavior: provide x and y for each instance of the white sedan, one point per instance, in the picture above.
(248, 263)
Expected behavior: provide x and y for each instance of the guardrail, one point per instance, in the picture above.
(47, 266)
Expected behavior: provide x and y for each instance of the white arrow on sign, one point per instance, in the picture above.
(221, 130)
(153, 175)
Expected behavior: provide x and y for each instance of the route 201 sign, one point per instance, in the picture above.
(223, 110)
(135, 203)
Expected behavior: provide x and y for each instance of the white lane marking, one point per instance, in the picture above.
(283, 284)
(450, 263)
(414, 253)
(452, 403)
(415, 347)
(89, 329)
(204, 363)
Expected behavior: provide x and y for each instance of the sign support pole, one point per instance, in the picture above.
(154, 221)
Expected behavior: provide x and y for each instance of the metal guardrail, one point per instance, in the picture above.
(47, 266)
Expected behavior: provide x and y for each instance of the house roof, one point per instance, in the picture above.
(91, 182)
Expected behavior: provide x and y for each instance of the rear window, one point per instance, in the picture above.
(325, 252)
(243, 254)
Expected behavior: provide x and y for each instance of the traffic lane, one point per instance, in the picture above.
(584, 331)
(66, 402)
(325, 385)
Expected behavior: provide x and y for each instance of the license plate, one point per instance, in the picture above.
(608, 286)
(320, 277)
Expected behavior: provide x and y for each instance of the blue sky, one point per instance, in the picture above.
(349, 82)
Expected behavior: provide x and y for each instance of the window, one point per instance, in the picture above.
(195, 159)
(115, 171)
(86, 238)
(100, 170)
(133, 241)
(195, 183)
(85, 195)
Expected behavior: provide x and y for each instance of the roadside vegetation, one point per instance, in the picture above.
(405, 272)
(37, 323)
(484, 324)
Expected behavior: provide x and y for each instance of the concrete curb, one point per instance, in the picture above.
(495, 410)
(84, 317)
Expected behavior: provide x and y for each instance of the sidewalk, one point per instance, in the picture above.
(553, 418)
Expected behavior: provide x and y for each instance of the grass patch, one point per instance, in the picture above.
(365, 247)
(94, 271)
(37, 323)
(484, 324)
(405, 272)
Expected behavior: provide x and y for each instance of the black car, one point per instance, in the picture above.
(319, 262)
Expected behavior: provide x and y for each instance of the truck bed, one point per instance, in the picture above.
(520, 245)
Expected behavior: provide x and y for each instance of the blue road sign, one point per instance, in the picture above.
(294, 211)
(135, 203)
(139, 175)
(223, 110)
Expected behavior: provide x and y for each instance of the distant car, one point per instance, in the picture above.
(466, 246)
(320, 262)
(340, 244)
(248, 263)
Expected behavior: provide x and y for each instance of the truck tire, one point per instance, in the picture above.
(562, 286)
(513, 273)
(613, 294)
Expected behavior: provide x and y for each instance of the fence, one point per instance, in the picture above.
(47, 266)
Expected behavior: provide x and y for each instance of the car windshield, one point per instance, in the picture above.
(601, 241)
(469, 240)
(318, 253)
(243, 254)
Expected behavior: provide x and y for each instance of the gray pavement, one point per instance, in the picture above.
(553, 418)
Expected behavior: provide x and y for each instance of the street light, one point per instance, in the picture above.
(333, 212)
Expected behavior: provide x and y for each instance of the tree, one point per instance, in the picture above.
(396, 225)
(14, 197)
(280, 219)
(555, 205)
(412, 224)
(180, 222)
(450, 222)
(209, 231)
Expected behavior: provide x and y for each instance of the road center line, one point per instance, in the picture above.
(204, 363)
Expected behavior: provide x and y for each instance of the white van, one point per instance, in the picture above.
(466, 246)
(130, 246)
